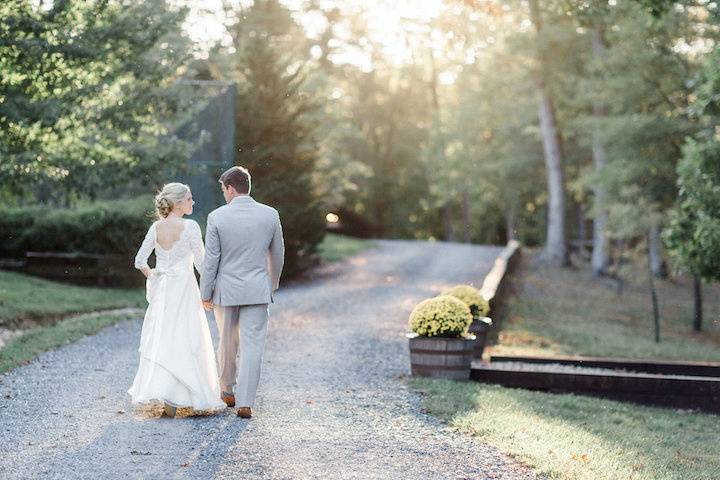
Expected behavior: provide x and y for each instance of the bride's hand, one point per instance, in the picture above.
(147, 272)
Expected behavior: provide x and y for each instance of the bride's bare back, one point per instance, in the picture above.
(168, 232)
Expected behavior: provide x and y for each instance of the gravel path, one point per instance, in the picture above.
(331, 404)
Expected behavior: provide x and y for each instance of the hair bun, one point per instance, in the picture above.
(163, 205)
(170, 194)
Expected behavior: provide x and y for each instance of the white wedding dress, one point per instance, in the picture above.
(177, 362)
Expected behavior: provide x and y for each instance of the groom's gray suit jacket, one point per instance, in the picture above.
(244, 253)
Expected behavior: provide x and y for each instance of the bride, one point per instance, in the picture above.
(177, 362)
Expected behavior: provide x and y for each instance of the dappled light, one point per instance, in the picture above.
(295, 221)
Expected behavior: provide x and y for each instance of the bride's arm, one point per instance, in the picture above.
(146, 249)
(196, 242)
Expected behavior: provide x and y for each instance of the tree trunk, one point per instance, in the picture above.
(657, 264)
(601, 252)
(466, 216)
(653, 296)
(620, 263)
(581, 232)
(447, 208)
(555, 251)
(510, 224)
(448, 220)
(698, 317)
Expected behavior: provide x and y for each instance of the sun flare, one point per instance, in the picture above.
(389, 24)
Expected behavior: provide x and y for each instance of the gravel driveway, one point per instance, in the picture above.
(331, 403)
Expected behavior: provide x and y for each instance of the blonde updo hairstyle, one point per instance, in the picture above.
(166, 198)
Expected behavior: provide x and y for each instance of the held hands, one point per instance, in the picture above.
(207, 305)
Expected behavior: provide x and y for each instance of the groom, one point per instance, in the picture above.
(244, 255)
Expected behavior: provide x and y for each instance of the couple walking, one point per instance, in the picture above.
(239, 265)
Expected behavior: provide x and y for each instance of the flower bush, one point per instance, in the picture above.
(443, 316)
(470, 296)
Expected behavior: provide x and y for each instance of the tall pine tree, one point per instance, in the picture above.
(275, 135)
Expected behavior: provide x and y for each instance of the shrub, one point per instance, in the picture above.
(470, 296)
(442, 316)
(110, 227)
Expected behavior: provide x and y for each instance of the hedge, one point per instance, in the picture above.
(109, 227)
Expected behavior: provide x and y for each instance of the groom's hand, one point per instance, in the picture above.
(207, 305)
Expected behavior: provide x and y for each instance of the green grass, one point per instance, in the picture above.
(337, 247)
(573, 437)
(30, 300)
(49, 311)
(27, 346)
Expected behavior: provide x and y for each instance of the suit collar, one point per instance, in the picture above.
(242, 199)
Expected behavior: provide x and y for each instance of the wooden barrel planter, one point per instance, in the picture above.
(479, 327)
(440, 357)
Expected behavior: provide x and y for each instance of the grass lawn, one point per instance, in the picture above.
(336, 247)
(573, 437)
(26, 300)
(30, 344)
(48, 312)
(565, 311)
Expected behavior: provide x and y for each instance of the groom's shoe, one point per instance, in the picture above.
(244, 412)
(228, 398)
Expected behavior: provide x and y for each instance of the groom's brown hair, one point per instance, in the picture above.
(238, 178)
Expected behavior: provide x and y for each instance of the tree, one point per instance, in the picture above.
(555, 251)
(642, 128)
(275, 134)
(694, 232)
(87, 97)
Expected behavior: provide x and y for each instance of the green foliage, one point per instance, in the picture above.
(694, 231)
(86, 97)
(442, 316)
(32, 343)
(109, 227)
(642, 93)
(26, 298)
(275, 134)
(470, 296)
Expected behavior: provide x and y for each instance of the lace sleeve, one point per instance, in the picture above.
(148, 245)
(196, 243)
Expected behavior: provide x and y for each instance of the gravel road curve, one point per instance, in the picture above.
(332, 403)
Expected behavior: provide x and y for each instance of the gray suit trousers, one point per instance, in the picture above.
(244, 326)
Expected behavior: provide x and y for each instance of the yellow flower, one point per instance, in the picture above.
(472, 298)
(444, 316)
